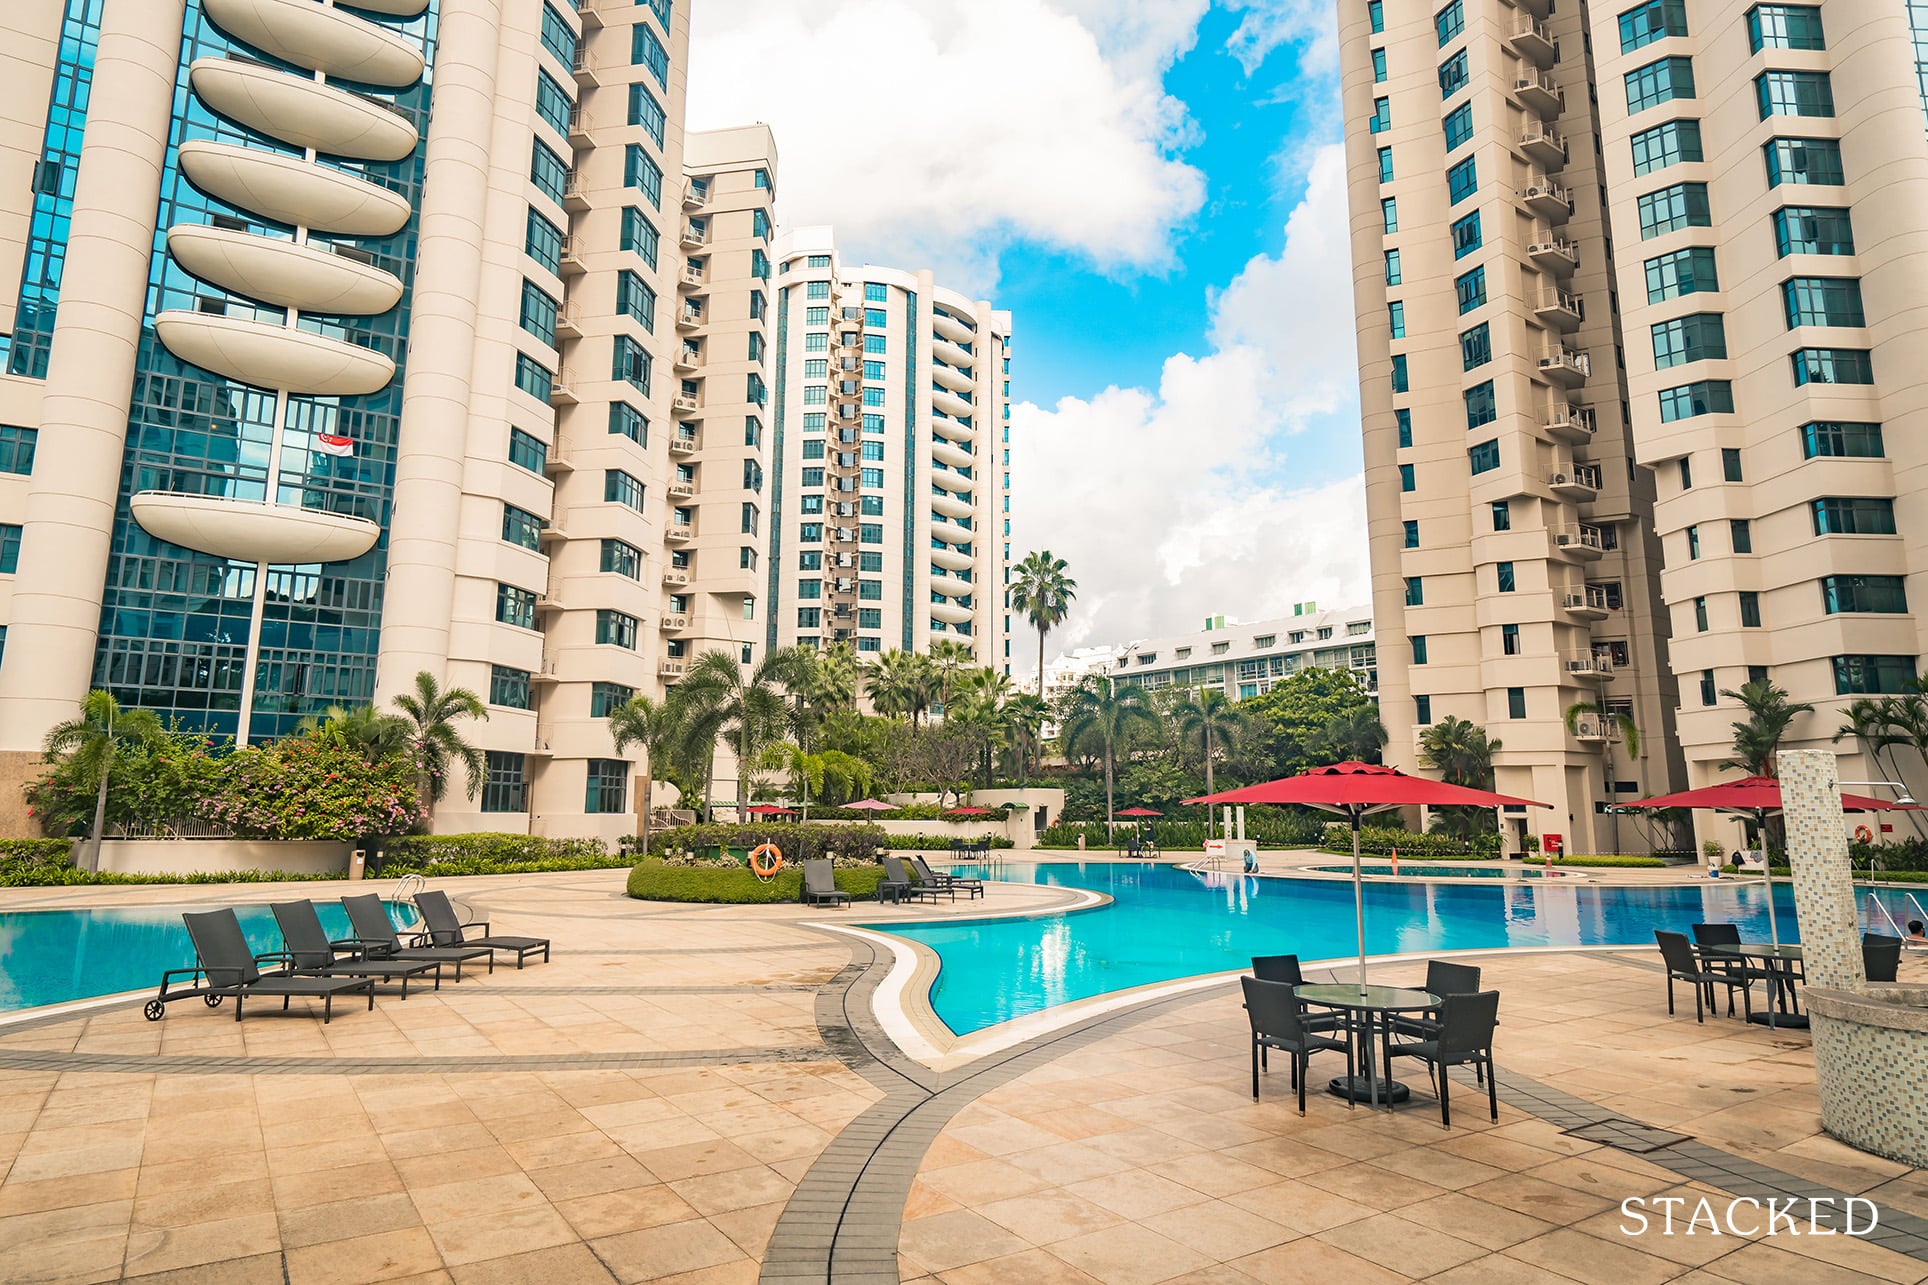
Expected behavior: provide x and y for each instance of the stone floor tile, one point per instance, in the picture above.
(1396, 1243)
(613, 1213)
(500, 1234)
(385, 1256)
(718, 1193)
(1219, 1230)
(1033, 1267)
(572, 1264)
(1042, 1217)
(1486, 1225)
(1313, 1262)
(944, 1242)
(1300, 1206)
(346, 1219)
(1213, 1172)
(259, 1269)
(159, 1249)
(1129, 1254)
(1136, 1193)
(665, 1251)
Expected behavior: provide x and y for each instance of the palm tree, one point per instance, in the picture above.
(1757, 738)
(829, 681)
(1206, 720)
(654, 726)
(1098, 710)
(1025, 715)
(982, 695)
(1462, 753)
(429, 736)
(94, 743)
(948, 657)
(1614, 724)
(720, 698)
(902, 682)
(1041, 592)
(1354, 736)
(366, 730)
(1878, 726)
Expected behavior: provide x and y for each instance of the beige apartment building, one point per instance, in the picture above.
(893, 459)
(1515, 571)
(309, 387)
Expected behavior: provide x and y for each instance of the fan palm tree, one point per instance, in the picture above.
(1098, 711)
(1041, 592)
(829, 681)
(1757, 738)
(656, 727)
(750, 707)
(1614, 725)
(902, 682)
(1206, 720)
(948, 659)
(430, 738)
(94, 743)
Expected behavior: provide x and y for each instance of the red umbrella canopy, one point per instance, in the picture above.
(1140, 812)
(1364, 787)
(1758, 794)
(970, 812)
(871, 805)
(768, 810)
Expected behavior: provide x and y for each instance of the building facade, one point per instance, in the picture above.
(310, 388)
(892, 459)
(1249, 659)
(1514, 558)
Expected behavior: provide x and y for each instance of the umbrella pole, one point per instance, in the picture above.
(1358, 898)
(1767, 873)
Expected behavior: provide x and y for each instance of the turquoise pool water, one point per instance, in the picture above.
(53, 956)
(1167, 923)
(1413, 870)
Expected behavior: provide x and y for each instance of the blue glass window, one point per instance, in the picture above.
(1483, 458)
(1381, 118)
(620, 488)
(1838, 438)
(515, 606)
(532, 377)
(538, 313)
(1666, 144)
(626, 421)
(614, 629)
(16, 448)
(642, 173)
(1481, 405)
(1466, 237)
(1406, 480)
(1470, 289)
(645, 50)
(548, 172)
(1832, 366)
(1475, 347)
(558, 37)
(1871, 675)
(521, 527)
(630, 362)
(1396, 316)
(1399, 372)
(635, 299)
(1813, 230)
(1689, 271)
(552, 104)
(1385, 165)
(1784, 26)
(1803, 160)
(1854, 515)
(640, 235)
(1706, 397)
(1822, 301)
(1794, 93)
(1684, 205)
(527, 452)
(1458, 125)
(1659, 82)
(1462, 180)
(645, 111)
(1884, 594)
(1453, 75)
(1699, 336)
(1392, 268)
(1449, 22)
(1378, 66)
(1403, 420)
(1654, 20)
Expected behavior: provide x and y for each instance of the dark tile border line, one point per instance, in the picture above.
(189, 1064)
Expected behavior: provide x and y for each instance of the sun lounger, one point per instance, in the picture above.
(311, 954)
(899, 881)
(227, 967)
(820, 885)
(949, 882)
(445, 928)
(376, 936)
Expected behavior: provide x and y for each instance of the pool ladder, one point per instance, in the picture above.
(407, 886)
(1876, 914)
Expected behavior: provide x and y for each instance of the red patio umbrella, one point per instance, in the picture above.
(1353, 789)
(767, 810)
(970, 812)
(872, 805)
(1140, 812)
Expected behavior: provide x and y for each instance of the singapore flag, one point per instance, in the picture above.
(328, 445)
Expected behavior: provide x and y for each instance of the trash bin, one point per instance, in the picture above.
(357, 863)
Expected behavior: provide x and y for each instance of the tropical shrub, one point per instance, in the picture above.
(1611, 859)
(797, 842)
(491, 853)
(1269, 827)
(1379, 841)
(656, 880)
(940, 842)
(155, 781)
(312, 788)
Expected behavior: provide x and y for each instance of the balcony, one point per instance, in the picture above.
(568, 323)
(675, 577)
(695, 195)
(682, 443)
(680, 490)
(1559, 310)
(579, 135)
(671, 668)
(689, 318)
(692, 278)
(1548, 199)
(1586, 663)
(683, 404)
(557, 462)
(693, 238)
(561, 394)
(688, 359)
(1581, 483)
(588, 74)
(545, 674)
(1555, 254)
(1591, 729)
(1591, 604)
(1533, 40)
(573, 263)
(575, 193)
(1539, 94)
(670, 623)
(1543, 144)
(546, 603)
(551, 534)
(1538, 8)
(1567, 422)
(1579, 540)
(680, 532)
(1564, 366)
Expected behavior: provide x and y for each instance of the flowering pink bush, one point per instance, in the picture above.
(310, 788)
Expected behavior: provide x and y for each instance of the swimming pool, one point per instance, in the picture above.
(1167, 923)
(53, 956)
(1417, 871)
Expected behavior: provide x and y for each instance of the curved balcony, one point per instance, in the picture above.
(300, 112)
(950, 403)
(950, 612)
(951, 559)
(945, 350)
(955, 456)
(949, 327)
(248, 531)
(286, 190)
(955, 380)
(390, 8)
(950, 506)
(282, 273)
(952, 482)
(950, 586)
(332, 41)
(947, 427)
(950, 532)
(270, 356)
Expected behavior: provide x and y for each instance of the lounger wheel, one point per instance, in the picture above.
(154, 1010)
(212, 1001)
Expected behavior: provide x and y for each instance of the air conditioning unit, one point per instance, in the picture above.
(1564, 538)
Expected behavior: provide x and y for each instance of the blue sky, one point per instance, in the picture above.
(1154, 189)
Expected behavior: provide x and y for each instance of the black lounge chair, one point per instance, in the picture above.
(897, 878)
(1880, 956)
(820, 885)
(445, 928)
(376, 937)
(1465, 1036)
(1685, 966)
(228, 967)
(1273, 1011)
(309, 953)
(1285, 968)
(975, 887)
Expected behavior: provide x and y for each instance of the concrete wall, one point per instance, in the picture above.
(219, 856)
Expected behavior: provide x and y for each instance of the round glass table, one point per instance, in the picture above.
(1369, 1011)
(1783, 965)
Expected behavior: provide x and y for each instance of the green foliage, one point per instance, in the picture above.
(1269, 827)
(489, 853)
(159, 779)
(1379, 841)
(1612, 859)
(1292, 724)
(656, 881)
(939, 842)
(313, 788)
(33, 851)
(909, 812)
(797, 842)
(1902, 855)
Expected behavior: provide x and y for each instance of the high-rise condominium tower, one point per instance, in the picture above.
(310, 388)
(893, 459)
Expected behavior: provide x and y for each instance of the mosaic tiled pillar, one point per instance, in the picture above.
(1817, 851)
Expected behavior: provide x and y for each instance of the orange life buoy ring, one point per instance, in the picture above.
(1862, 834)
(776, 860)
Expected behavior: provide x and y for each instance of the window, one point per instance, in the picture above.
(877, 345)
(1705, 397)
(1485, 457)
(875, 424)
(1459, 126)
(810, 532)
(1784, 26)
(749, 518)
(1381, 119)
(645, 111)
(620, 558)
(1466, 238)
(1832, 366)
(1666, 144)
(1502, 515)
(552, 104)
(16, 448)
(873, 370)
(1822, 301)
(1794, 93)
(1470, 289)
(872, 590)
(1396, 317)
(640, 235)
(809, 588)
(1392, 268)
(508, 688)
(873, 451)
(1699, 336)
(1452, 75)
(642, 173)
(1741, 533)
(515, 606)
(1481, 407)
(1418, 642)
(1449, 22)
(1503, 577)
(1693, 543)
(1700, 613)
(620, 488)
(1750, 609)
(548, 172)
(532, 377)
(1412, 534)
(1399, 380)
(1415, 591)
(1462, 180)
(816, 341)
(875, 318)
(1376, 11)
(872, 478)
(1689, 271)
(538, 313)
(1403, 420)
(1516, 702)
(606, 698)
(1684, 205)
(629, 362)
(1655, 20)
(1813, 230)
(607, 777)
(635, 299)
(1803, 160)
(626, 421)
(558, 37)
(1385, 165)
(1406, 480)
(1709, 689)
(521, 527)
(1686, 472)
(870, 618)
(1841, 438)
(615, 629)
(1475, 347)
(870, 533)
(645, 50)
(1871, 675)
(873, 397)
(871, 506)
(527, 452)
(1378, 66)
(1389, 214)
(816, 368)
(1423, 709)
(1854, 515)
(1883, 594)
(1509, 640)
(1658, 82)
(1730, 464)
(505, 788)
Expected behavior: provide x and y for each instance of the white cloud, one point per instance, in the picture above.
(1231, 488)
(933, 134)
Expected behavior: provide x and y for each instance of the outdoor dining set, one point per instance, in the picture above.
(1717, 957)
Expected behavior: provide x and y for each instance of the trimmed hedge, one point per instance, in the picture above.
(490, 852)
(797, 842)
(939, 842)
(1269, 827)
(1605, 860)
(654, 880)
(1381, 840)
